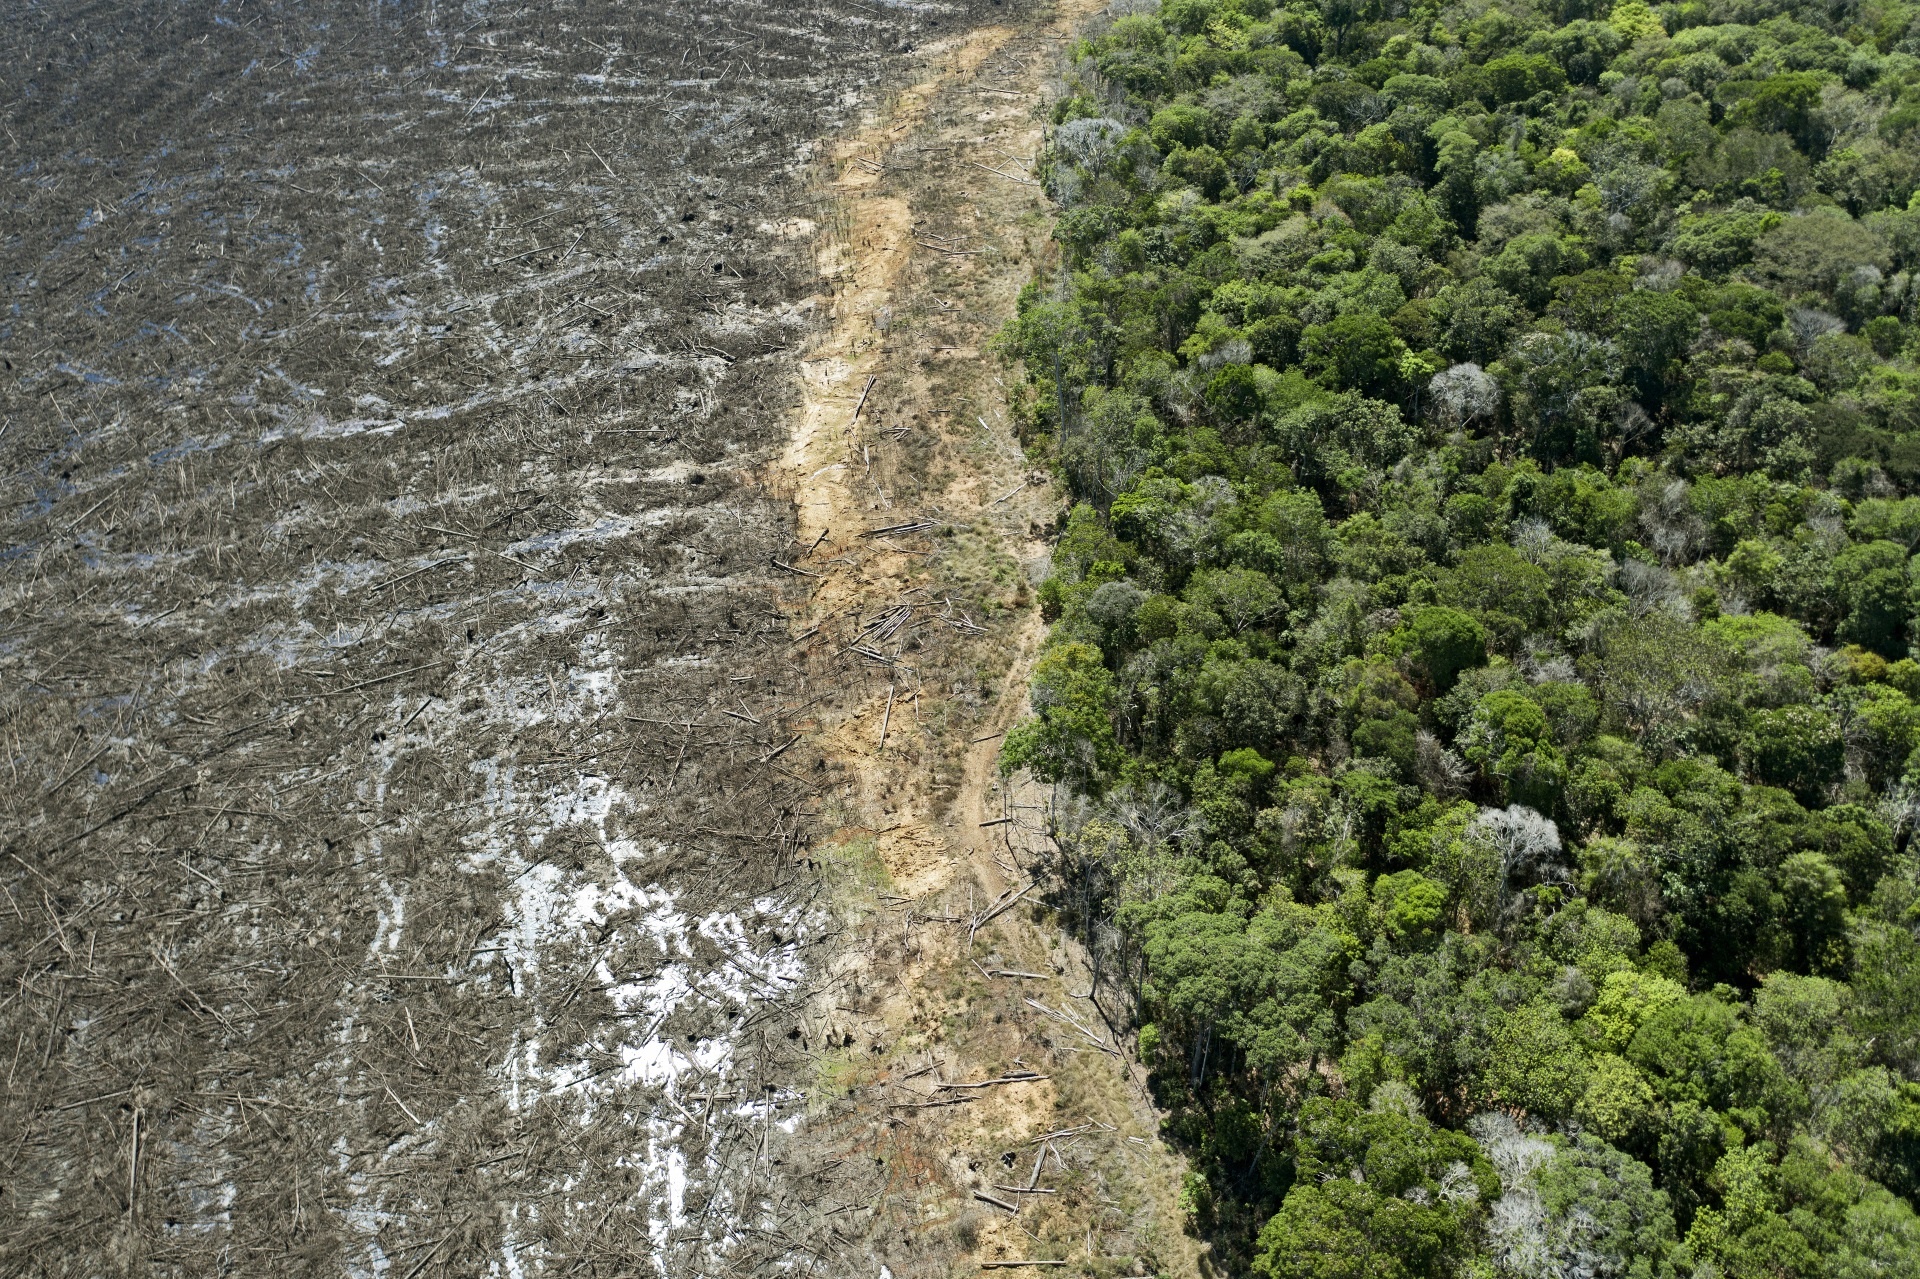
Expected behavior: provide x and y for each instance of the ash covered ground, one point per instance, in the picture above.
(399, 849)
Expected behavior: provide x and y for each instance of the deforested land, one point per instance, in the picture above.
(409, 795)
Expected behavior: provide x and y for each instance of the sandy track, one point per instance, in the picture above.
(903, 423)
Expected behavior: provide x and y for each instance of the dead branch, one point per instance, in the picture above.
(1022, 1077)
(997, 909)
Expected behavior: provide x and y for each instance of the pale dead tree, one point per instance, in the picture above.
(1625, 188)
(1440, 770)
(1808, 324)
(1232, 351)
(1090, 144)
(1523, 838)
(1574, 1209)
(1528, 848)
(1847, 115)
(1153, 814)
(1671, 527)
(1517, 1225)
(1659, 274)
(1395, 1098)
(1463, 395)
(1457, 1185)
(1900, 806)
(1865, 276)
(1631, 424)
(1534, 539)
(1648, 587)
(1545, 665)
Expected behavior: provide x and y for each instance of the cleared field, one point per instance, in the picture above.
(399, 816)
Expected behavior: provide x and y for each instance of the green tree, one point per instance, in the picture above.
(1266, 983)
(1564, 388)
(1517, 77)
(1813, 915)
(1241, 597)
(1811, 253)
(1584, 48)
(1233, 393)
(1626, 1000)
(1342, 441)
(1528, 264)
(1071, 737)
(1653, 332)
(1510, 739)
(1358, 352)
(1615, 1222)
(1698, 1051)
(1745, 312)
(1376, 1196)
(1619, 1104)
(1293, 535)
(1787, 103)
(1507, 593)
(1886, 976)
(1659, 677)
(1440, 642)
(1202, 167)
(1872, 580)
(1800, 748)
(1180, 125)
(1719, 240)
(1410, 906)
(1748, 1235)
(1480, 319)
(1537, 1067)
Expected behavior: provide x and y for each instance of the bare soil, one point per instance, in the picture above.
(951, 973)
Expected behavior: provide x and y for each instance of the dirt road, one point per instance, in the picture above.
(924, 531)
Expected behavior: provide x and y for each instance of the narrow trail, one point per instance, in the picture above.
(904, 424)
(827, 467)
(867, 260)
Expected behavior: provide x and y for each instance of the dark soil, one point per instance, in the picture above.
(392, 672)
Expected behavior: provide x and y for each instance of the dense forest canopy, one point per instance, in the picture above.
(1480, 688)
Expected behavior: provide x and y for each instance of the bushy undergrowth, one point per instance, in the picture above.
(1480, 685)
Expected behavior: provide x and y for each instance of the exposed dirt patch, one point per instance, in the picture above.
(920, 533)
